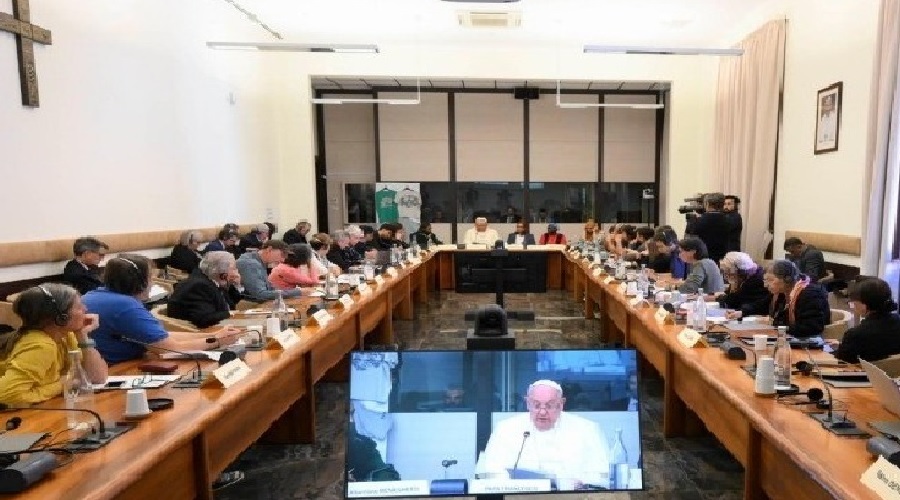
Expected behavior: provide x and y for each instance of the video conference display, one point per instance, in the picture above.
(450, 423)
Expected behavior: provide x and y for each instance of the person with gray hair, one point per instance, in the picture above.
(83, 272)
(338, 252)
(547, 440)
(793, 301)
(185, 255)
(255, 238)
(210, 293)
(744, 280)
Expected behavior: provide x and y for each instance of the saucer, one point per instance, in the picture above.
(136, 416)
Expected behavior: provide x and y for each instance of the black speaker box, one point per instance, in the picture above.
(526, 93)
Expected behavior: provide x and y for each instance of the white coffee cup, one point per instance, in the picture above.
(136, 402)
(273, 326)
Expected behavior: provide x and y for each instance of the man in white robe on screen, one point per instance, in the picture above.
(553, 443)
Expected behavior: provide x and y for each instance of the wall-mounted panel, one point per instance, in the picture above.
(349, 152)
(489, 137)
(629, 140)
(414, 138)
(564, 142)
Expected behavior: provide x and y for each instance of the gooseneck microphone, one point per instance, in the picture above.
(94, 440)
(101, 429)
(521, 447)
(197, 378)
(827, 419)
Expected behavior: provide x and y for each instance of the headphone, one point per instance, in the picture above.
(814, 396)
(137, 274)
(60, 317)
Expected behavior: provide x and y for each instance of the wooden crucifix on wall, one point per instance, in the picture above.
(19, 24)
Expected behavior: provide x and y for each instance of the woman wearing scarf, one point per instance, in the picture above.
(793, 301)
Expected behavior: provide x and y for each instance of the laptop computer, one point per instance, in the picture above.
(889, 395)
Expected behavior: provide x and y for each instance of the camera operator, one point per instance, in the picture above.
(732, 204)
(712, 226)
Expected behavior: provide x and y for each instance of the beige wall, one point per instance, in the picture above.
(629, 140)
(489, 138)
(564, 143)
(349, 152)
(414, 139)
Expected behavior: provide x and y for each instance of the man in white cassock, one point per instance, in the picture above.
(552, 442)
(481, 233)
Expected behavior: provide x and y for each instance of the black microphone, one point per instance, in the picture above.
(101, 429)
(828, 421)
(95, 440)
(198, 375)
(521, 447)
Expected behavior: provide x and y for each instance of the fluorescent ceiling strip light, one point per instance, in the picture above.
(588, 105)
(399, 102)
(665, 51)
(296, 47)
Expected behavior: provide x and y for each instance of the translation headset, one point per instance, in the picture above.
(60, 317)
(139, 276)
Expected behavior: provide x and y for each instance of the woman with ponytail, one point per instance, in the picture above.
(877, 336)
(34, 358)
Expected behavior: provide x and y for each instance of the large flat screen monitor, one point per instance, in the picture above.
(451, 423)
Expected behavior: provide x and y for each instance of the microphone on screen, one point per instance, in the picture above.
(197, 377)
(521, 447)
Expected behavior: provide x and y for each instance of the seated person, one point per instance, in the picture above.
(185, 256)
(121, 311)
(336, 252)
(383, 239)
(481, 233)
(34, 358)
(745, 282)
(226, 241)
(83, 272)
(298, 269)
(877, 336)
(639, 252)
(321, 244)
(399, 236)
(364, 462)
(704, 273)
(558, 443)
(808, 259)
(352, 253)
(365, 244)
(254, 270)
(424, 237)
(630, 401)
(664, 256)
(210, 293)
(454, 398)
(255, 238)
(611, 236)
(298, 234)
(552, 237)
(793, 301)
(521, 236)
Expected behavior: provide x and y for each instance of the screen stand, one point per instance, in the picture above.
(499, 255)
(490, 344)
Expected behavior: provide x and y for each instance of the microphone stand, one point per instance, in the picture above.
(843, 427)
(96, 439)
(197, 376)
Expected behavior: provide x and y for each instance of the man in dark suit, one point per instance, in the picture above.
(209, 293)
(298, 234)
(732, 204)
(255, 238)
(337, 254)
(712, 226)
(83, 272)
(807, 258)
(521, 236)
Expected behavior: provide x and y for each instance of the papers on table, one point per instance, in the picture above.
(125, 382)
(212, 355)
(260, 310)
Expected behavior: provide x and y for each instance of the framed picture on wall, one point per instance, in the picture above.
(828, 118)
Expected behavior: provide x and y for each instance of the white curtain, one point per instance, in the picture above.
(746, 131)
(883, 149)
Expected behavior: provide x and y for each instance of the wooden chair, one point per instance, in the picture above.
(840, 322)
(172, 324)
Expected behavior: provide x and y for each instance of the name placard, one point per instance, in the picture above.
(415, 261)
(608, 280)
(228, 374)
(284, 340)
(883, 478)
(364, 289)
(321, 318)
(639, 303)
(576, 254)
(346, 301)
(374, 489)
(379, 280)
(691, 338)
(598, 271)
(392, 272)
(622, 288)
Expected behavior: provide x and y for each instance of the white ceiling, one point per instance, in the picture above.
(684, 23)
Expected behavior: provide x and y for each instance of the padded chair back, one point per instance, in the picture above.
(840, 322)
(172, 324)
(7, 316)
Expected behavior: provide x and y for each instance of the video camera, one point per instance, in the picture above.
(693, 206)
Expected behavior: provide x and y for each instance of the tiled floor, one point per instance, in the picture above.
(695, 468)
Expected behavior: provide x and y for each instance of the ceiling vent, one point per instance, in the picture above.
(486, 19)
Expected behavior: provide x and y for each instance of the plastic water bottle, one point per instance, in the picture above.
(700, 312)
(280, 310)
(368, 271)
(618, 464)
(331, 287)
(782, 361)
(77, 389)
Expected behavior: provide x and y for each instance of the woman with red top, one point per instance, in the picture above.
(551, 237)
(298, 269)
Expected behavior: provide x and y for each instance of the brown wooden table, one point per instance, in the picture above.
(785, 453)
(177, 453)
